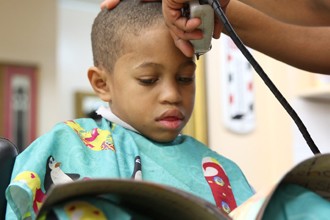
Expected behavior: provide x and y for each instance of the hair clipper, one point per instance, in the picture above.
(206, 14)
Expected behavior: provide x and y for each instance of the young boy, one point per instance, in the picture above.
(149, 85)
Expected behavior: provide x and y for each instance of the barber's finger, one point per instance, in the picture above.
(196, 34)
(187, 25)
(173, 4)
(174, 17)
(109, 4)
(183, 45)
(193, 35)
(218, 26)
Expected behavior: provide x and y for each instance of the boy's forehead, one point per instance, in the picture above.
(147, 63)
(155, 50)
(158, 31)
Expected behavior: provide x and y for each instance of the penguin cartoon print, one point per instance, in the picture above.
(55, 175)
(137, 172)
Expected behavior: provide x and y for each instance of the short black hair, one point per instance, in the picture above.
(113, 28)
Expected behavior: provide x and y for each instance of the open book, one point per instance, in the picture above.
(312, 173)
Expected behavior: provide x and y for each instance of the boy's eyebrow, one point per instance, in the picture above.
(188, 63)
(149, 64)
(156, 65)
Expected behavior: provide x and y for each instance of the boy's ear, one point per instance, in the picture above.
(98, 79)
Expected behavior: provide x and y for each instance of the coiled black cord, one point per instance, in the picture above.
(219, 12)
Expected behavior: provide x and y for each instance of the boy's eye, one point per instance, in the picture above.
(147, 81)
(186, 79)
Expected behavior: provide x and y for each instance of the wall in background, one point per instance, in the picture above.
(316, 115)
(74, 52)
(28, 36)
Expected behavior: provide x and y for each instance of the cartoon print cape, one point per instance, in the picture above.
(84, 149)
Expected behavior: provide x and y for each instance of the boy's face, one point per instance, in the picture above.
(152, 87)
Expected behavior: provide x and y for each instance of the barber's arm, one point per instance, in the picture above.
(301, 12)
(304, 47)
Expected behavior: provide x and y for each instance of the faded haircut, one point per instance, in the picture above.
(114, 29)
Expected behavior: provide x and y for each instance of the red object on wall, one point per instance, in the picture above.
(19, 105)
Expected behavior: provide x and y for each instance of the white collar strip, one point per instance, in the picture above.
(106, 113)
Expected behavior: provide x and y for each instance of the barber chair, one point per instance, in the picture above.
(8, 153)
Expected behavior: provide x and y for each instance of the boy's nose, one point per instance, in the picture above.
(170, 93)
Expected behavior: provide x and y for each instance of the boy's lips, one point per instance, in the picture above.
(171, 119)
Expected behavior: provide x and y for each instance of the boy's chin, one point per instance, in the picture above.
(165, 138)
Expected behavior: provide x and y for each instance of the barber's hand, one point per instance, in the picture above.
(183, 29)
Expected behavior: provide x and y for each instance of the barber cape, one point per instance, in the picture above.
(84, 149)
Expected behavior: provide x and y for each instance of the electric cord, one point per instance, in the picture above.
(302, 128)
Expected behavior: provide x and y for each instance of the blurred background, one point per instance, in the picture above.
(45, 52)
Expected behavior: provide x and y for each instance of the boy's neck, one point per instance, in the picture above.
(106, 113)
